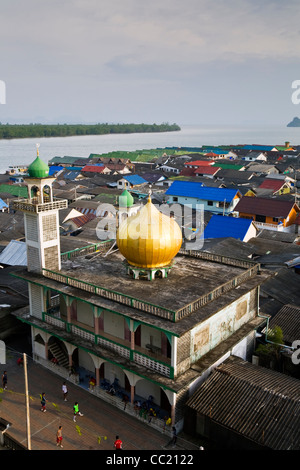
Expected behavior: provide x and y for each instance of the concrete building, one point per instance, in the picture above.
(149, 319)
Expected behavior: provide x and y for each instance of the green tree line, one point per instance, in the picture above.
(18, 131)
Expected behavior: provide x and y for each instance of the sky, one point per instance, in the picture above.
(197, 62)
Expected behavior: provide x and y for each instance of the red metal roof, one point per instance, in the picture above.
(207, 170)
(273, 184)
(199, 163)
(93, 168)
(82, 219)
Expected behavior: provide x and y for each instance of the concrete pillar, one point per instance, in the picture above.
(132, 392)
(68, 304)
(97, 370)
(173, 414)
(96, 322)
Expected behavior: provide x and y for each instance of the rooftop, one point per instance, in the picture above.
(264, 206)
(197, 190)
(196, 286)
(253, 401)
(221, 226)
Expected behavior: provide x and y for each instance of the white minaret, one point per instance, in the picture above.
(41, 219)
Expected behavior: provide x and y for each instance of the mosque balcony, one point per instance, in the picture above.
(35, 206)
(151, 358)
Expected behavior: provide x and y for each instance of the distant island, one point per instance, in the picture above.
(19, 131)
(294, 123)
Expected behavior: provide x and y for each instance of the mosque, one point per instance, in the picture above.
(150, 317)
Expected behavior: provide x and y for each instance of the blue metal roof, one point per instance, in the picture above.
(221, 226)
(216, 151)
(74, 168)
(134, 179)
(54, 169)
(3, 204)
(71, 175)
(262, 148)
(197, 190)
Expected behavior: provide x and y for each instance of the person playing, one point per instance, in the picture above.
(76, 411)
(118, 443)
(59, 437)
(64, 391)
(43, 402)
(4, 380)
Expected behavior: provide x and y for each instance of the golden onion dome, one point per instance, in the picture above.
(149, 239)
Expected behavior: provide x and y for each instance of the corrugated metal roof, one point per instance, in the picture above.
(54, 169)
(134, 179)
(288, 319)
(82, 219)
(199, 163)
(14, 189)
(197, 190)
(261, 404)
(262, 148)
(3, 204)
(206, 170)
(14, 254)
(221, 226)
(264, 206)
(274, 184)
(93, 168)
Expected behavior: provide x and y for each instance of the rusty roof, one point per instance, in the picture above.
(265, 206)
(261, 404)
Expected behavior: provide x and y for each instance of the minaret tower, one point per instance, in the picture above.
(41, 219)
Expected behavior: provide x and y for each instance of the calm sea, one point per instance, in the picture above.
(23, 151)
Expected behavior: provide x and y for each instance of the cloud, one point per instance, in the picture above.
(85, 52)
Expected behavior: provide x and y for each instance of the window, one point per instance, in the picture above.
(210, 203)
(175, 198)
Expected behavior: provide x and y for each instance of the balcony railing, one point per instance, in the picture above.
(139, 355)
(250, 270)
(32, 205)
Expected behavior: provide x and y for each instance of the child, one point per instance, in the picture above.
(59, 437)
(43, 402)
(76, 411)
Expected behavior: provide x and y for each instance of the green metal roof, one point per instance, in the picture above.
(19, 191)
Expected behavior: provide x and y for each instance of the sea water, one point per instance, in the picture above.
(23, 151)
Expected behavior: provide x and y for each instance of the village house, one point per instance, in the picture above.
(255, 156)
(273, 186)
(91, 170)
(268, 213)
(130, 181)
(216, 200)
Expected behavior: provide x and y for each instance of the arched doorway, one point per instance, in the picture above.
(83, 365)
(144, 389)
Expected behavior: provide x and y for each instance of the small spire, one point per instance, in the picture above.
(149, 194)
(37, 150)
